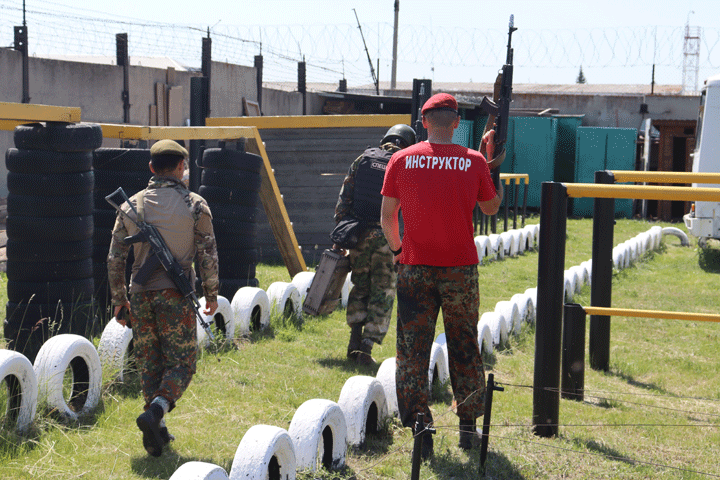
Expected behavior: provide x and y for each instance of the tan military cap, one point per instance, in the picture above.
(168, 147)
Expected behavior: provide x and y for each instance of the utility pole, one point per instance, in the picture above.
(393, 77)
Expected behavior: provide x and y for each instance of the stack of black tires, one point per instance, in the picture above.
(50, 228)
(114, 167)
(230, 183)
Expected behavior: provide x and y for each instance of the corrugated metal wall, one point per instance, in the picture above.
(310, 166)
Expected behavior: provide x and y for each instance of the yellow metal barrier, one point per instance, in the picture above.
(664, 177)
(507, 177)
(312, 121)
(140, 132)
(642, 192)
(14, 114)
(628, 312)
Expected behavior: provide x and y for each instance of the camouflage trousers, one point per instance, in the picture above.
(373, 276)
(422, 291)
(164, 343)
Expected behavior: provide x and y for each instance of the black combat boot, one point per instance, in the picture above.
(355, 341)
(149, 423)
(363, 356)
(468, 434)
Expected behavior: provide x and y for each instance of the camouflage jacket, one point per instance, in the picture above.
(345, 201)
(173, 215)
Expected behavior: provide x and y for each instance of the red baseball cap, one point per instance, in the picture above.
(441, 101)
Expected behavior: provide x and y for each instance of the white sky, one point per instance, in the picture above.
(537, 21)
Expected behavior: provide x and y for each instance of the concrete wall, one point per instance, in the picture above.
(97, 90)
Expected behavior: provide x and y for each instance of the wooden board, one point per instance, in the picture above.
(161, 104)
(175, 110)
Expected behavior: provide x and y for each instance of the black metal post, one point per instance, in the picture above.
(21, 45)
(302, 86)
(550, 299)
(486, 420)
(207, 70)
(198, 114)
(515, 201)
(422, 91)
(601, 288)
(123, 60)
(259, 78)
(419, 433)
(573, 357)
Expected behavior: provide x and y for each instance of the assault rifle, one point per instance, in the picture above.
(160, 256)
(499, 110)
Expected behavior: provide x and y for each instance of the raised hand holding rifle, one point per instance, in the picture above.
(161, 256)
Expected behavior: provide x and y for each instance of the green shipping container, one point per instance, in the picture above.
(601, 148)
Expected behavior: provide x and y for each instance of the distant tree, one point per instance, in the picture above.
(580, 78)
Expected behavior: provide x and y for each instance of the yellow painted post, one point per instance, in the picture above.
(14, 114)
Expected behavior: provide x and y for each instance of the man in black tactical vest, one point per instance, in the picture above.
(373, 274)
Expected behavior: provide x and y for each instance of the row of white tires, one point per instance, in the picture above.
(42, 383)
(318, 436)
(249, 309)
(506, 244)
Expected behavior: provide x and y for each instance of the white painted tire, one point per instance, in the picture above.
(346, 290)
(386, 376)
(222, 320)
(568, 289)
(283, 295)
(656, 233)
(199, 471)
(588, 270)
(307, 431)
(250, 303)
(258, 447)
(54, 358)
(485, 339)
(482, 246)
(498, 328)
(580, 275)
(532, 293)
(302, 282)
(618, 256)
(357, 397)
(510, 244)
(439, 362)
(114, 349)
(510, 311)
(534, 231)
(15, 364)
(497, 247)
(522, 237)
(525, 307)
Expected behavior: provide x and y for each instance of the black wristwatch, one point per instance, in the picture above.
(396, 252)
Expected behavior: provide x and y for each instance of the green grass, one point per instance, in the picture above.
(662, 373)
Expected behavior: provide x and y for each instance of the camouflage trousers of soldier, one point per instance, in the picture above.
(422, 291)
(374, 278)
(164, 343)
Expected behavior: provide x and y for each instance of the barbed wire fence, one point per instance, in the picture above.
(333, 52)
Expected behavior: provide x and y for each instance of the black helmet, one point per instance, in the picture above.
(400, 134)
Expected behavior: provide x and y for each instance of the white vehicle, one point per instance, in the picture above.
(704, 220)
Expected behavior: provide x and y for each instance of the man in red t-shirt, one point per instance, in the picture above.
(437, 184)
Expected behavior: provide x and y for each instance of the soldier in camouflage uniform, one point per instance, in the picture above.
(437, 184)
(373, 274)
(163, 321)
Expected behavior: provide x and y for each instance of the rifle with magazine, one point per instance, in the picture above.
(499, 110)
(160, 256)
